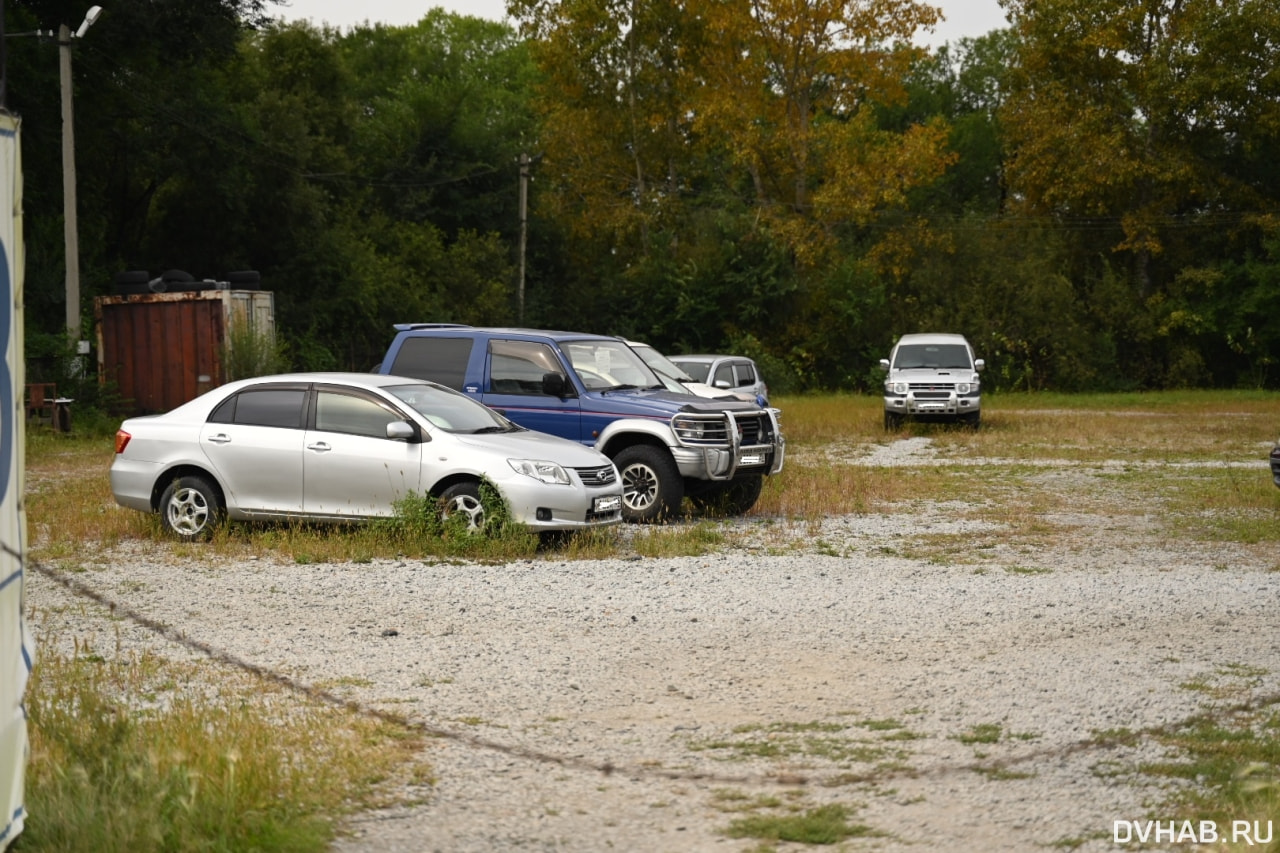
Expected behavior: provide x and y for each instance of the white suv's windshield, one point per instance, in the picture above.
(932, 356)
(608, 365)
(661, 364)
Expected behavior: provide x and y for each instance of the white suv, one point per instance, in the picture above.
(735, 374)
(932, 377)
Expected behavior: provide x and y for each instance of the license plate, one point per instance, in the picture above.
(606, 504)
(751, 459)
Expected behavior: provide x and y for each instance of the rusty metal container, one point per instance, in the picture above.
(164, 349)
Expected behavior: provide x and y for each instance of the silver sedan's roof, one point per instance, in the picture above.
(211, 398)
(369, 380)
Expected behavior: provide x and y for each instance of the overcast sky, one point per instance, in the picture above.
(964, 17)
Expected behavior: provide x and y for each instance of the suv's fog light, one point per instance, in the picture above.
(543, 514)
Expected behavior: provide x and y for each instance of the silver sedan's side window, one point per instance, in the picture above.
(352, 415)
(271, 407)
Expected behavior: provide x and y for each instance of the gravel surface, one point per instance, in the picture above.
(645, 704)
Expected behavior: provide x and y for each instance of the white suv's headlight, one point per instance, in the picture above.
(962, 387)
(899, 388)
(540, 469)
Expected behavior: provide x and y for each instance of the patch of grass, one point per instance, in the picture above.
(1232, 763)
(881, 725)
(823, 825)
(125, 758)
(982, 733)
(702, 537)
(814, 726)
(998, 773)
(1027, 570)
(731, 800)
(797, 740)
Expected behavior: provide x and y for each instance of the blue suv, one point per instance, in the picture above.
(595, 390)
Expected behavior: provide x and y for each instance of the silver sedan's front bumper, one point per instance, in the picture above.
(553, 507)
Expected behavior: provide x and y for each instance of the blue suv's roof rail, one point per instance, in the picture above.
(410, 327)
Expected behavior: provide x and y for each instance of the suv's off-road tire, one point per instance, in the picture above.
(190, 508)
(734, 497)
(893, 421)
(652, 487)
(973, 420)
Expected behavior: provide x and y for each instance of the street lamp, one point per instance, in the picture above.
(69, 173)
(68, 159)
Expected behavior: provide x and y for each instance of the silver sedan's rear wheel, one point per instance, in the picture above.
(463, 500)
(189, 508)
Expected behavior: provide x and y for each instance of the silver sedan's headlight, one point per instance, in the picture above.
(540, 469)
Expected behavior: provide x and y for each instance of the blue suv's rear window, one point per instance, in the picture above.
(436, 359)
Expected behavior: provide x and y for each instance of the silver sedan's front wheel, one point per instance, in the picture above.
(189, 508)
(463, 500)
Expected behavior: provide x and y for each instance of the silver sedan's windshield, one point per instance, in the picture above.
(449, 410)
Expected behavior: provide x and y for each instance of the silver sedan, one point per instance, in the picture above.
(347, 446)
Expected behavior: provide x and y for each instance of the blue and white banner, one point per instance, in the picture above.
(15, 641)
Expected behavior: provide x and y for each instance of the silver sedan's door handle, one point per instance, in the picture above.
(220, 438)
(319, 447)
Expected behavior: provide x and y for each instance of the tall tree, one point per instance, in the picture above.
(1146, 114)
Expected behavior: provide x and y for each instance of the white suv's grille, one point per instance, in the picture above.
(932, 390)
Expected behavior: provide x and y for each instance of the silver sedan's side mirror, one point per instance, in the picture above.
(400, 430)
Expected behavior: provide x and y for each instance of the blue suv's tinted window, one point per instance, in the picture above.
(517, 367)
(437, 359)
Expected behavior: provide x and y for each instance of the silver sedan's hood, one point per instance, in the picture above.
(530, 444)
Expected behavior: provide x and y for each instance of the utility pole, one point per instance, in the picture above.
(524, 232)
(70, 234)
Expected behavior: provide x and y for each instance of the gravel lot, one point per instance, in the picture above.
(645, 704)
